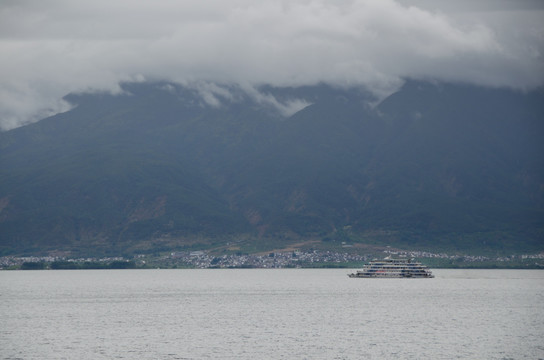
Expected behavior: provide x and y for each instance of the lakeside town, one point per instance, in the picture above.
(202, 259)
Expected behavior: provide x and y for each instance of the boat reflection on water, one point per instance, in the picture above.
(393, 268)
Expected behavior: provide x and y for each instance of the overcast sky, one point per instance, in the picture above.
(51, 48)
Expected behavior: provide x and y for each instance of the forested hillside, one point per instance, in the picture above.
(164, 167)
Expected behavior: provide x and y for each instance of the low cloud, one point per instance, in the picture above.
(51, 48)
(285, 108)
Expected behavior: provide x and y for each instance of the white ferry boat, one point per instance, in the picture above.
(393, 268)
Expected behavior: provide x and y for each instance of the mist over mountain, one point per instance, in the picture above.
(163, 166)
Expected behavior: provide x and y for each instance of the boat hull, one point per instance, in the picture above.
(389, 276)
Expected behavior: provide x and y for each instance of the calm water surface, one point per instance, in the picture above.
(270, 314)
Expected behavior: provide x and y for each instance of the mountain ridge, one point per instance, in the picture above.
(165, 167)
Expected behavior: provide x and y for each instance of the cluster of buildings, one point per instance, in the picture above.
(294, 259)
(10, 261)
(202, 260)
(7, 262)
(463, 258)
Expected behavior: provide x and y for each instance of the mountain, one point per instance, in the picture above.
(164, 167)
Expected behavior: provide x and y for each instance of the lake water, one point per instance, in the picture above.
(270, 314)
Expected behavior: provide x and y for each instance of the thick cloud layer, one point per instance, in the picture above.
(51, 48)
